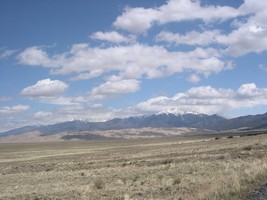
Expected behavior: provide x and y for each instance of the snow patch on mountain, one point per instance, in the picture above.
(177, 112)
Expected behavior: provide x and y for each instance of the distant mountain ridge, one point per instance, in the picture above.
(160, 120)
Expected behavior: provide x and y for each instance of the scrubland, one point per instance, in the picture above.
(168, 168)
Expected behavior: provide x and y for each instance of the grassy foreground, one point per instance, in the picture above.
(174, 168)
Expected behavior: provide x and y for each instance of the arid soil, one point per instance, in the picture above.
(182, 168)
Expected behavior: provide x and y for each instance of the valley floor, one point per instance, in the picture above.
(167, 168)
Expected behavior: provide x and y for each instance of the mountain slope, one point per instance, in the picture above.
(250, 122)
(162, 120)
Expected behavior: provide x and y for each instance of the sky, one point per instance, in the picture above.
(63, 60)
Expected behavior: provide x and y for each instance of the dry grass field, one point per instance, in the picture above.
(169, 168)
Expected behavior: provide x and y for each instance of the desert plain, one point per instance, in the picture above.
(176, 167)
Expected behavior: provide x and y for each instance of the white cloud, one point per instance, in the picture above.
(59, 100)
(138, 20)
(246, 39)
(194, 78)
(43, 114)
(49, 91)
(263, 67)
(6, 53)
(131, 63)
(191, 38)
(112, 36)
(208, 100)
(8, 110)
(5, 99)
(134, 61)
(250, 90)
(251, 6)
(205, 92)
(110, 89)
(89, 75)
(45, 88)
(79, 100)
(177, 10)
(249, 35)
(34, 56)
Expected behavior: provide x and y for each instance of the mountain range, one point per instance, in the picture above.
(161, 120)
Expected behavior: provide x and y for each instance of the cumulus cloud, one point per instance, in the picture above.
(208, 100)
(177, 10)
(250, 90)
(191, 38)
(36, 56)
(241, 44)
(8, 110)
(112, 36)
(50, 92)
(252, 7)
(45, 88)
(249, 35)
(134, 61)
(110, 89)
(138, 20)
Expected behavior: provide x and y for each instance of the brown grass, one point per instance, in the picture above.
(174, 168)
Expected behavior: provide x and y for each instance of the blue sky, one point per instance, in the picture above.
(97, 60)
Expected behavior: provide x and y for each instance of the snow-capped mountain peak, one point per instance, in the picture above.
(178, 112)
(192, 112)
(170, 111)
